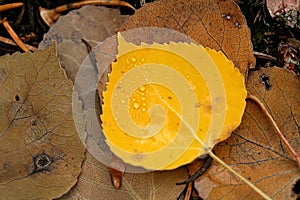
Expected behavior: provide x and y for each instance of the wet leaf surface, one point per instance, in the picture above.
(219, 25)
(255, 149)
(41, 153)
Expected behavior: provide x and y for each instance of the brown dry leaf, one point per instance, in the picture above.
(95, 183)
(255, 149)
(91, 23)
(219, 25)
(41, 153)
(276, 7)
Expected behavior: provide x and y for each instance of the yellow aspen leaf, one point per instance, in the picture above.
(167, 104)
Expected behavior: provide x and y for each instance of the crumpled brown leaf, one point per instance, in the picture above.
(255, 149)
(41, 153)
(91, 23)
(277, 7)
(219, 25)
(95, 183)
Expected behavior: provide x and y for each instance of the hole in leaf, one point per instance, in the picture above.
(41, 162)
(17, 98)
(296, 188)
(266, 81)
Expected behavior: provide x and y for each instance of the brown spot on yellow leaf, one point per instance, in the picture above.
(41, 153)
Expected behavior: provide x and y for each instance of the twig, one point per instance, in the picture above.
(261, 105)
(14, 36)
(203, 168)
(11, 42)
(188, 191)
(10, 6)
(265, 56)
(50, 16)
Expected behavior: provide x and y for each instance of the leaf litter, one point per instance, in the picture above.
(250, 61)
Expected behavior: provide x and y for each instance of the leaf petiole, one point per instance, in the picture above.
(256, 189)
(264, 109)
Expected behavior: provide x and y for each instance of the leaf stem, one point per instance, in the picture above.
(262, 106)
(256, 189)
(215, 157)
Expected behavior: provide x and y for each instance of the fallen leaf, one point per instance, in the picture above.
(219, 25)
(279, 7)
(91, 23)
(255, 149)
(95, 183)
(189, 79)
(41, 153)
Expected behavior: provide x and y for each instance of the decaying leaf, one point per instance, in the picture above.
(90, 23)
(186, 81)
(255, 149)
(279, 7)
(41, 153)
(95, 183)
(219, 25)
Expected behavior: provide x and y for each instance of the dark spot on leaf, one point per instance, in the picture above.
(266, 81)
(17, 98)
(34, 123)
(41, 162)
(296, 188)
(169, 97)
(249, 178)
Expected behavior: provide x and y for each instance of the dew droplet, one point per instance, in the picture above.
(188, 76)
(143, 94)
(136, 105)
(134, 99)
(122, 101)
(143, 60)
(142, 89)
(143, 98)
(127, 61)
(133, 59)
(144, 109)
(144, 104)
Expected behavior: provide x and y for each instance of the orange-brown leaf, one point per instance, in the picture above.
(219, 25)
(255, 149)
